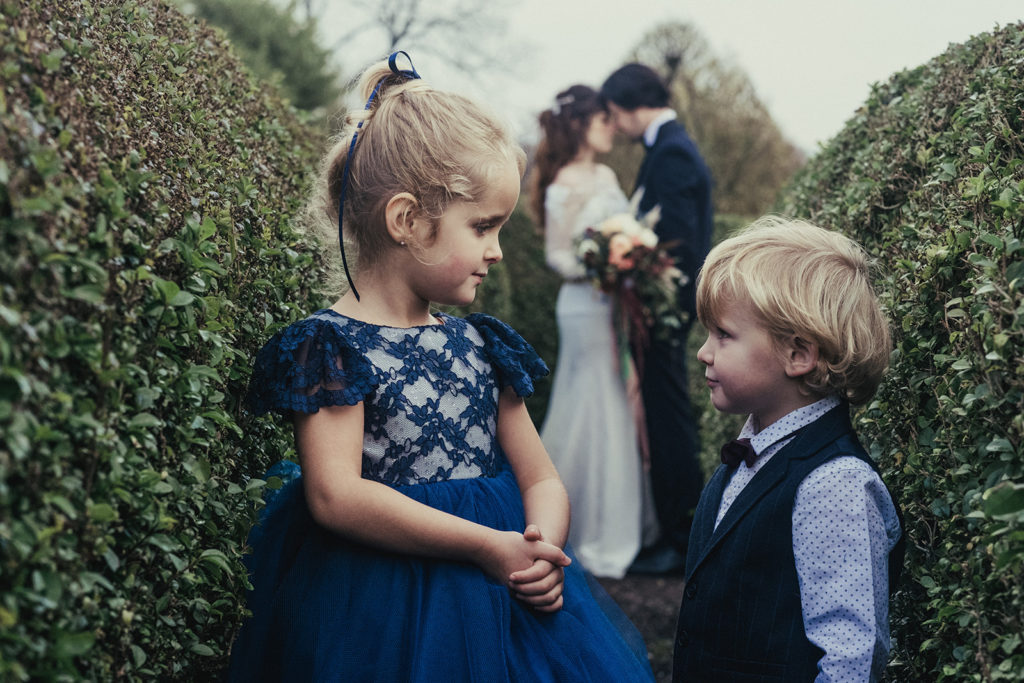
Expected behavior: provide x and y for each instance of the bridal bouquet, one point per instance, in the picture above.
(623, 258)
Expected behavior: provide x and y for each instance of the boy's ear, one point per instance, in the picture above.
(801, 356)
(400, 213)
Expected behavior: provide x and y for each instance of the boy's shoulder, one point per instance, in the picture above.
(828, 445)
(832, 436)
(842, 469)
(848, 466)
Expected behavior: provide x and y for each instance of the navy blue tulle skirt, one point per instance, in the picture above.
(326, 609)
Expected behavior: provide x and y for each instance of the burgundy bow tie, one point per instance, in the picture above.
(737, 451)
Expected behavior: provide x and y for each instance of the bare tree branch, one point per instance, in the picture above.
(749, 158)
(466, 34)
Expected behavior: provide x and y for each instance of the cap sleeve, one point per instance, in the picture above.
(308, 365)
(515, 362)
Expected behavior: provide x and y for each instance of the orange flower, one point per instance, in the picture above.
(618, 247)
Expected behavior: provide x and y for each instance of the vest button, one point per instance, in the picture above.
(691, 590)
(683, 639)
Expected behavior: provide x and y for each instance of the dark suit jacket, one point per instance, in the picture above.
(741, 616)
(674, 176)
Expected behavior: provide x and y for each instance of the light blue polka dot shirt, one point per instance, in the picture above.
(844, 525)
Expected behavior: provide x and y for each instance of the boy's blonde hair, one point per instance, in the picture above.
(438, 146)
(803, 280)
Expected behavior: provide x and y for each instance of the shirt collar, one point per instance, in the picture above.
(651, 132)
(786, 425)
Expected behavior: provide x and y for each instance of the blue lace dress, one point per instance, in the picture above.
(329, 609)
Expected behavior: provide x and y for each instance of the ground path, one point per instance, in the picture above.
(652, 603)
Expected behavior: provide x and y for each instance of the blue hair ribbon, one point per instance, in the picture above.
(408, 73)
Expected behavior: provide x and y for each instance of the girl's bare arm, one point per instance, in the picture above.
(330, 449)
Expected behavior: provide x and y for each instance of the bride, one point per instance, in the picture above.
(591, 425)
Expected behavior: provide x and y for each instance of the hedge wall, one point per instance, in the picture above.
(928, 175)
(145, 186)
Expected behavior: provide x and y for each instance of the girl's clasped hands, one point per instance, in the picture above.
(540, 583)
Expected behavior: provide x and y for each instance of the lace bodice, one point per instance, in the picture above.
(430, 393)
(571, 209)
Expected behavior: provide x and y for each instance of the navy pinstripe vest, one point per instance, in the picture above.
(740, 619)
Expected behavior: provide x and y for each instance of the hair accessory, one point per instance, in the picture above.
(408, 73)
(563, 101)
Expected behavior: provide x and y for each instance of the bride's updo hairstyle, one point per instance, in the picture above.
(438, 146)
(563, 127)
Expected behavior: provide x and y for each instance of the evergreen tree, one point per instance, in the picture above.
(276, 47)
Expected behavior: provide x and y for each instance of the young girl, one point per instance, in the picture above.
(591, 428)
(423, 539)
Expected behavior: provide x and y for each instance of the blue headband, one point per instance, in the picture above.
(408, 73)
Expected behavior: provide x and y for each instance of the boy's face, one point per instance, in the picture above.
(746, 370)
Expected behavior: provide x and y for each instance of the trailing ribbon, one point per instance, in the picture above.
(408, 73)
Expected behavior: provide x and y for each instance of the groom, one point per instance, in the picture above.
(673, 177)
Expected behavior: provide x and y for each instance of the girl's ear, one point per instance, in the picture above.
(399, 215)
(801, 356)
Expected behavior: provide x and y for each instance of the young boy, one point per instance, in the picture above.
(796, 540)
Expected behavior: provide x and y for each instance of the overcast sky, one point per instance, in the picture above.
(811, 61)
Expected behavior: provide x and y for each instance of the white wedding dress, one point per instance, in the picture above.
(590, 430)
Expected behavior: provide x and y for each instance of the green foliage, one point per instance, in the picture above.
(145, 187)
(277, 47)
(928, 176)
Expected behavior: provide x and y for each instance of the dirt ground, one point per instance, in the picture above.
(652, 603)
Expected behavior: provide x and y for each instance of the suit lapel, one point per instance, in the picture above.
(807, 442)
(666, 130)
(764, 481)
(642, 174)
(715, 488)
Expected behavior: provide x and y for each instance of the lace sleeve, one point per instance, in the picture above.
(307, 365)
(515, 362)
(562, 207)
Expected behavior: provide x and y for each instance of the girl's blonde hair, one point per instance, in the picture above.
(438, 146)
(806, 281)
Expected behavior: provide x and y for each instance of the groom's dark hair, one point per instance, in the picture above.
(633, 86)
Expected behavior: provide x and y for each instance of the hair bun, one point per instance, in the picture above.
(385, 81)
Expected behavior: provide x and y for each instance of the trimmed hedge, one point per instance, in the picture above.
(928, 176)
(146, 182)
